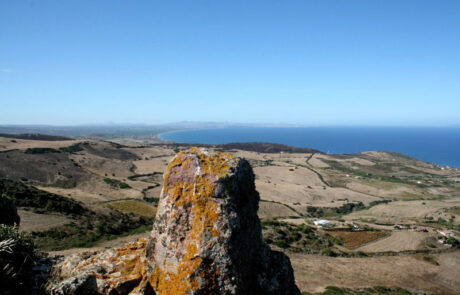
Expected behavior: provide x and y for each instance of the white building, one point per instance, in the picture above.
(446, 233)
(322, 222)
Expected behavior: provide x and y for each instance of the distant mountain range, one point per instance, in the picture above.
(121, 130)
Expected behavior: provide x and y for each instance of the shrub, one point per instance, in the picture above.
(8, 213)
(453, 242)
(332, 290)
(430, 259)
(282, 244)
(72, 149)
(154, 201)
(17, 256)
(329, 252)
(349, 207)
(116, 183)
(91, 228)
(41, 151)
(28, 196)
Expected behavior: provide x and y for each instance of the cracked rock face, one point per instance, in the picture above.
(206, 238)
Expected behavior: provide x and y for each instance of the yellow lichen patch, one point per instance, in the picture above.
(134, 264)
(204, 214)
(129, 263)
(215, 164)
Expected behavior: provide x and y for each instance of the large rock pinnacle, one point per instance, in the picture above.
(206, 238)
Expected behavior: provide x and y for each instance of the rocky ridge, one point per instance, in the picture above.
(206, 239)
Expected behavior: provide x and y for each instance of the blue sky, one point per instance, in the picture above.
(302, 62)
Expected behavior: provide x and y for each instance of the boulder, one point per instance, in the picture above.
(206, 238)
(84, 284)
(117, 271)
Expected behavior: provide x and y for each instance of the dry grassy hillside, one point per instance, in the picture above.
(373, 191)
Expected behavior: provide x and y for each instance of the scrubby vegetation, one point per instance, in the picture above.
(17, 256)
(430, 259)
(135, 176)
(342, 210)
(8, 212)
(390, 172)
(90, 229)
(29, 136)
(28, 196)
(379, 172)
(260, 163)
(87, 226)
(328, 211)
(453, 242)
(441, 223)
(116, 183)
(265, 147)
(306, 239)
(41, 151)
(72, 148)
(153, 200)
(297, 238)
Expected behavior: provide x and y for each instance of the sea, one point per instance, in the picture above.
(438, 145)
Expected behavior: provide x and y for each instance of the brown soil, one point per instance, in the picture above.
(314, 273)
(354, 239)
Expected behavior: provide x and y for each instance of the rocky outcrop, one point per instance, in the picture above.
(117, 271)
(84, 284)
(206, 238)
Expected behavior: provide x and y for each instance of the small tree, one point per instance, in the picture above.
(453, 242)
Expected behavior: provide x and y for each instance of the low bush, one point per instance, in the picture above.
(453, 242)
(334, 211)
(17, 256)
(329, 252)
(8, 213)
(297, 238)
(430, 259)
(72, 148)
(41, 151)
(28, 196)
(90, 229)
(116, 183)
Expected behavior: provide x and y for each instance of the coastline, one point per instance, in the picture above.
(158, 139)
(161, 139)
(407, 141)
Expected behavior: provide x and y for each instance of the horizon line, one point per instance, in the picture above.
(216, 123)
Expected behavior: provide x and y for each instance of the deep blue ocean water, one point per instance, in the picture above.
(440, 145)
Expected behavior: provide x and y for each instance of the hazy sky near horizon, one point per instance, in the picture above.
(302, 62)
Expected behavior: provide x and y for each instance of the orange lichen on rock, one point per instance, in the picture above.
(113, 268)
(199, 172)
(206, 239)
